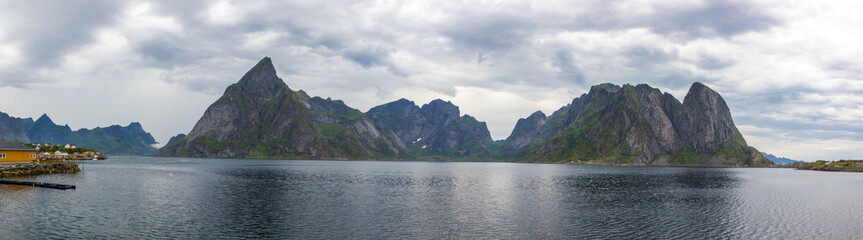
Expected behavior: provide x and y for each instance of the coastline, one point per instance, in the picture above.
(24, 169)
(833, 166)
(484, 160)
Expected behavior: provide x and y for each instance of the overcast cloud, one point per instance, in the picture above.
(789, 70)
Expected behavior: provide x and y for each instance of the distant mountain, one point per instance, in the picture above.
(12, 129)
(435, 129)
(260, 117)
(27, 123)
(113, 140)
(778, 160)
(350, 131)
(170, 143)
(44, 130)
(527, 130)
(639, 125)
(175, 139)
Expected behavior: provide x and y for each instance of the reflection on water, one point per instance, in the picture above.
(205, 198)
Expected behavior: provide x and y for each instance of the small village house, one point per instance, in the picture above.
(15, 152)
(43, 156)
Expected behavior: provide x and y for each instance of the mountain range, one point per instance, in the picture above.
(636, 125)
(114, 140)
(261, 117)
(779, 160)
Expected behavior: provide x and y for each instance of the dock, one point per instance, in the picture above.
(37, 184)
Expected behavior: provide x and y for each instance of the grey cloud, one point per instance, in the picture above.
(485, 33)
(804, 129)
(52, 28)
(721, 18)
(771, 109)
(846, 69)
(713, 63)
(367, 56)
(330, 41)
(563, 60)
(481, 57)
(160, 51)
(642, 56)
(47, 30)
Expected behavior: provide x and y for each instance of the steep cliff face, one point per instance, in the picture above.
(526, 131)
(435, 128)
(12, 129)
(350, 131)
(704, 122)
(260, 117)
(641, 125)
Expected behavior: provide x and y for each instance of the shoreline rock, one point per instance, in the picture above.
(12, 170)
(835, 166)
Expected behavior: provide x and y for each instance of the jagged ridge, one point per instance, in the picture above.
(641, 125)
(435, 129)
(261, 117)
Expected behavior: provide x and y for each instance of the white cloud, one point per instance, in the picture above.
(224, 13)
(262, 40)
(9, 56)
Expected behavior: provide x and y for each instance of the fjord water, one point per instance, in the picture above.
(134, 198)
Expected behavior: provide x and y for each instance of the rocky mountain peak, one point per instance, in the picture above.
(439, 111)
(537, 115)
(704, 121)
(526, 131)
(436, 128)
(609, 87)
(259, 73)
(260, 81)
(404, 102)
(260, 117)
(641, 125)
(135, 126)
(44, 119)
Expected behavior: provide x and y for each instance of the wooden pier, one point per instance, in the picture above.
(38, 184)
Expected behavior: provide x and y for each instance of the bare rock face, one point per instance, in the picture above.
(260, 117)
(12, 129)
(350, 131)
(255, 117)
(526, 131)
(704, 121)
(641, 125)
(435, 128)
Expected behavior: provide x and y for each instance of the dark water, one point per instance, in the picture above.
(136, 198)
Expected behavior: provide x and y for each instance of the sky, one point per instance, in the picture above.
(790, 71)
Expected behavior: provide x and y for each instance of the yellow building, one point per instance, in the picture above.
(14, 152)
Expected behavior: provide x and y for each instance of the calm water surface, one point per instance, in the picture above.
(135, 198)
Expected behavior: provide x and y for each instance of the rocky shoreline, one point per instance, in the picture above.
(835, 166)
(11, 170)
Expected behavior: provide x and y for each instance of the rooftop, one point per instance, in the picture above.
(14, 146)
